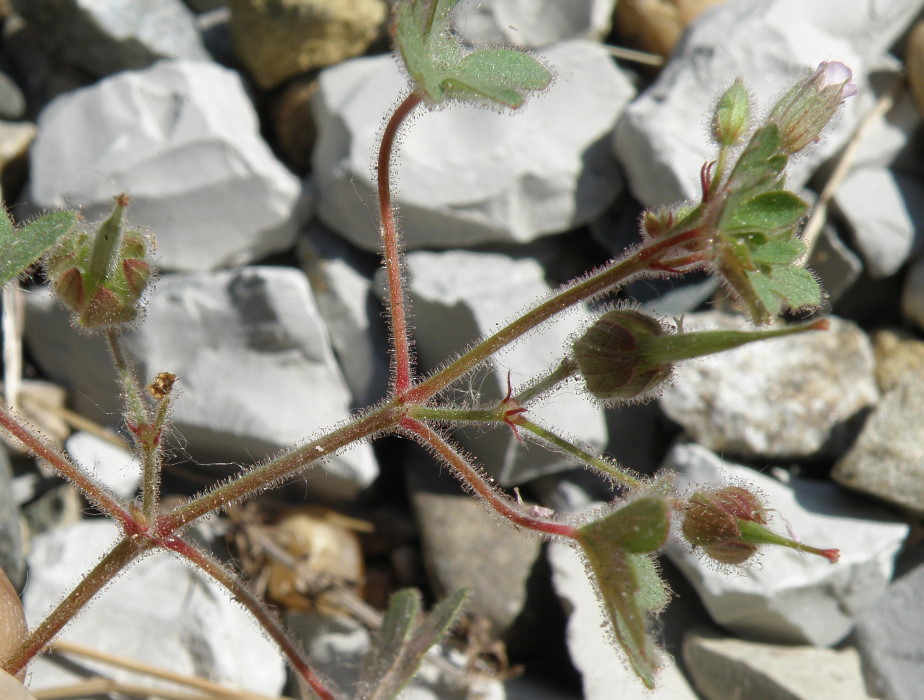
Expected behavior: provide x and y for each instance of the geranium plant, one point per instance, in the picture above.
(744, 230)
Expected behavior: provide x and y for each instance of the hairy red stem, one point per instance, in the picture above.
(401, 340)
(504, 506)
(246, 597)
(95, 491)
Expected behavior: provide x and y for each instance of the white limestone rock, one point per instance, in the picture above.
(783, 397)
(183, 140)
(882, 209)
(255, 366)
(531, 23)
(789, 597)
(466, 175)
(459, 296)
(341, 280)
(662, 139)
(604, 671)
(161, 612)
(117, 468)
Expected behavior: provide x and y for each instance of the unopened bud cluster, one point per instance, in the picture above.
(101, 275)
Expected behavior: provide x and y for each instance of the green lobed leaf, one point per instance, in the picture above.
(441, 68)
(792, 286)
(765, 212)
(629, 589)
(778, 251)
(21, 247)
(616, 548)
(501, 75)
(642, 525)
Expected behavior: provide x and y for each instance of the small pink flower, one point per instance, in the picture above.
(836, 73)
(806, 109)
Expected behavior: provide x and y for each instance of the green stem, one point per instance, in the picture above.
(444, 414)
(376, 422)
(138, 418)
(127, 550)
(617, 273)
(128, 381)
(579, 454)
(536, 388)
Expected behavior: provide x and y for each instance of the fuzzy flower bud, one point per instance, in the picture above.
(729, 524)
(732, 115)
(611, 359)
(101, 275)
(627, 354)
(807, 108)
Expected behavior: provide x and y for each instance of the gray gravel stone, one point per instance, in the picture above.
(464, 545)
(886, 459)
(183, 140)
(883, 210)
(899, 357)
(116, 468)
(466, 175)
(784, 397)
(256, 371)
(724, 668)
(834, 264)
(888, 636)
(341, 279)
(531, 23)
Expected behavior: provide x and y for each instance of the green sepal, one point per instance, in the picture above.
(20, 248)
(761, 164)
(443, 70)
